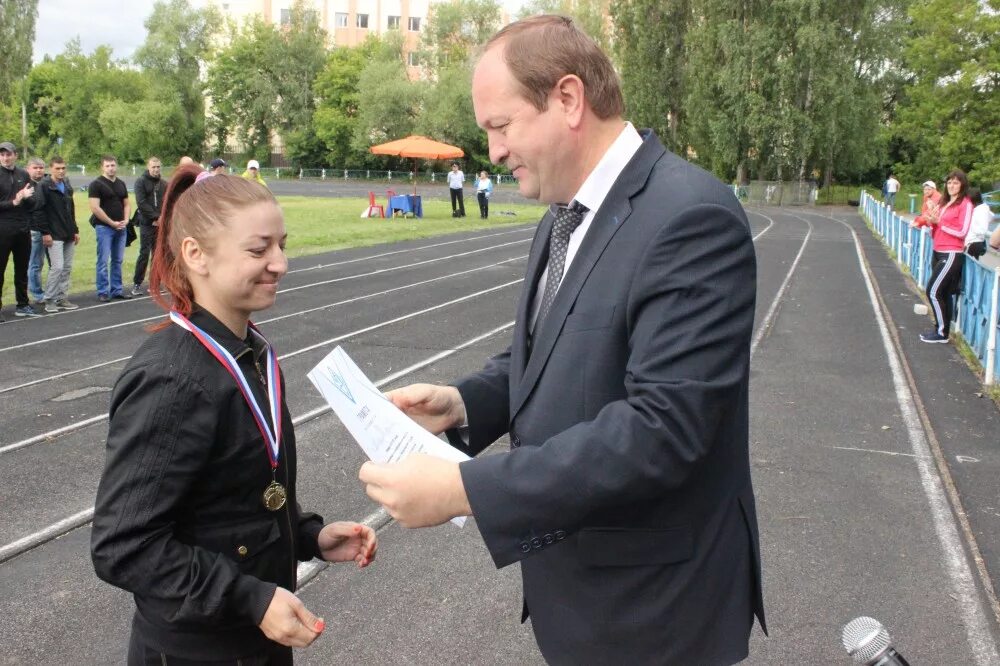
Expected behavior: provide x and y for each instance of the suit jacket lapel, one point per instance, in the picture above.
(537, 258)
(608, 219)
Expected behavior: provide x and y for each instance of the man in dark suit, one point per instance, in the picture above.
(626, 495)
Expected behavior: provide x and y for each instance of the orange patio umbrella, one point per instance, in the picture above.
(418, 147)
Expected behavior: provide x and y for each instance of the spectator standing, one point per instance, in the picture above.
(55, 220)
(253, 172)
(456, 179)
(979, 229)
(217, 166)
(950, 227)
(109, 207)
(484, 188)
(36, 290)
(16, 192)
(891, 188)
(929, 207)
(149, 190)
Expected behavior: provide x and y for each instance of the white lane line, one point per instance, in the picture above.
(770, 223)
(769, 317)
(63, 374)
(280, 291)
(885, 453)
(79, 425)
(963, 584)
(81, 518)
(380, 271)
(139, 299)
(280, 317)
(53, 531)
(395, 252)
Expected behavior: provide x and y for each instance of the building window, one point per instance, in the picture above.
(414, 24)
(362, 21)
(411, 59)
(393, 23)
(340, 20)
(286, 16)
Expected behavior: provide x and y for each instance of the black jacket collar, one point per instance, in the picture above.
(207, 322)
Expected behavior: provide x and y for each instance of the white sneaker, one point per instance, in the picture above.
(137, 290)
(51, 307)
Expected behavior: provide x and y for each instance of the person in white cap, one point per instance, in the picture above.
(253, 172)
(929, 208)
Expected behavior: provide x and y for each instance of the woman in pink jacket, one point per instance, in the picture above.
(949, 226)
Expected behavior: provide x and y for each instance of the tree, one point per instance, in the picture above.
(67, 94)
(952, 95)
(588, 14)
(455, 29)
(448, 116)
(178, 45)
(388, 102)
(337, 101)
(17, 35)
(649, 45)
(261, 82)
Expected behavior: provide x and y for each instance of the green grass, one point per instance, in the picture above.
(314, 225)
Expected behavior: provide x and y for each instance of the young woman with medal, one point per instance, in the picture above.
(196, 513)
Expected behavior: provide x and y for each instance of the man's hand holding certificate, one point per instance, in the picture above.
(413, 474)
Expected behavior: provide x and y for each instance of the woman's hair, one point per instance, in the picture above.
(960, 176)
(540, 50)
(976, 195)
(193, 209)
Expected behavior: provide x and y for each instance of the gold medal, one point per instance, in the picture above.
(275, 496)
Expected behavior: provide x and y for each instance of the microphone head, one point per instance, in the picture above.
(864, 639)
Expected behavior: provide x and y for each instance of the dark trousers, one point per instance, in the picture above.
(484, 205)
(945, 282)
(140, 654)
(147, 243)
(457, 201)
(19, 245)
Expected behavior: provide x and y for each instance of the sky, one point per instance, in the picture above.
(118, 23)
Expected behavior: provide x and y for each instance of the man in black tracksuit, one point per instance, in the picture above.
(16, 203)
(149, 190)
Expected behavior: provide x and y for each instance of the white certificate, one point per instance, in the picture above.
(384, 432)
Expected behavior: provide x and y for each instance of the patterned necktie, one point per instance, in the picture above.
(568, 218)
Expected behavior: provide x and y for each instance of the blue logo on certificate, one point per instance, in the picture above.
(341, 385)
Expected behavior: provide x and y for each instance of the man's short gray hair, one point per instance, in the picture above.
(36, 161)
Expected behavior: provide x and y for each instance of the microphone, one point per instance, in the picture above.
(867, 641)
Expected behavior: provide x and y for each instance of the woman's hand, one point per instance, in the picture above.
(348, 542)
(288, 622)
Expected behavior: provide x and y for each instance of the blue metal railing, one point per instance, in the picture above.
(979, 302)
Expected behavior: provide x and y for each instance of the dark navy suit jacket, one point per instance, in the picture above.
(626, 495)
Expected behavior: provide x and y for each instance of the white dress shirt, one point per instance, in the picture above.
(592, 194)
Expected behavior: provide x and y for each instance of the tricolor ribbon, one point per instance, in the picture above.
(272, 437)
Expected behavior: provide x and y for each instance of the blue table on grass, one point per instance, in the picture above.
(406, 203)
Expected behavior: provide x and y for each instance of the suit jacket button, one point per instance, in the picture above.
(515, 442)
(560, 535)
(536, 543)
(548, 538)
(525, 547)
(242, 550)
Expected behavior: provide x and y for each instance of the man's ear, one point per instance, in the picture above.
(193, 256)
(569, 94)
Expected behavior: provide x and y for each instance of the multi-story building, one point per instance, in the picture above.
(347, 22)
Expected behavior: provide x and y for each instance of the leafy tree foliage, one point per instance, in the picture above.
(261, 83)
(17, 34)
(178, 45)
(950, 105)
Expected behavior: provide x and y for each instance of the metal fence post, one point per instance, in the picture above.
(322, 174)
(991, 338)
(913, 203)
(923, 259)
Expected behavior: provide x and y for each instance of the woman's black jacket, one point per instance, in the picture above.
(179, 519)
